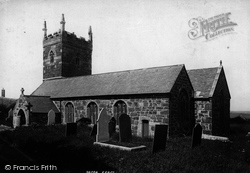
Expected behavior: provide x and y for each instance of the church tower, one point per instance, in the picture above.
(66, 55)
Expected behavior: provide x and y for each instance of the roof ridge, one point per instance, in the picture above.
(205, 68)
(105, 73)
(35, 96)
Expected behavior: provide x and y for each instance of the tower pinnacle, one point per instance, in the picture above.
(90, 33)
(45, 29)
(63, 23)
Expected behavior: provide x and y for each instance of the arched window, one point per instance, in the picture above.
(69, 113)
(120, 107)
(92, 112)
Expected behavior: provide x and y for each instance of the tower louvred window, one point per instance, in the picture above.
(51, 55)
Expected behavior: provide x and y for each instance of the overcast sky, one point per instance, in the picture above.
(128, 34)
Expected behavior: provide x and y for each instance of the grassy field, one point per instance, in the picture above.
(48, 146)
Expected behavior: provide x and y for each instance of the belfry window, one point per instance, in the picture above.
(52, 56)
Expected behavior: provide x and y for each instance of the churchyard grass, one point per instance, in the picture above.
(48, 145)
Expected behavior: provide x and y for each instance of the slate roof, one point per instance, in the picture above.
(41, 104)
(141, 81)
(204, 81)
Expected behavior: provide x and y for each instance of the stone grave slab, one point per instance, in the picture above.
(196, 137)
(71, 129)
(112, 124)
(125, 128)
(51, 117)
(160, 138)
(102, 126)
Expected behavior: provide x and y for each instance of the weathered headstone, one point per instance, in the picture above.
(112, 124)
(196, 137)
(160, 138)
(16, 121)
(247, 153)
(58, 119)
(125, 128)
(10, 117)
(102, 126)
(10, 113)
(71, 129)
(51, 117)
(93, 131)
(83, 121)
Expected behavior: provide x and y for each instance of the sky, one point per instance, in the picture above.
(128, 34)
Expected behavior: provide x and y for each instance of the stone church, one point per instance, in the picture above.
(160, 95)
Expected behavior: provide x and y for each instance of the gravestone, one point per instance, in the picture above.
(10, 118)
(247, 153)
(112, 124)
(102, 126)
(83, 121)
(51, 117)
(71, 129)
(125, 128)
(196, 137)
(160, 138)
(93, 131)
(10, 113)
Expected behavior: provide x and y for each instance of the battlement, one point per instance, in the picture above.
(57, 34)
(52, 39)
(65, 36)
(73, 36)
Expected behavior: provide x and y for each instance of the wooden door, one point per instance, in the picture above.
(145, 128)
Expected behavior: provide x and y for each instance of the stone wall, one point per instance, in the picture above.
(52, 69)
(153, 109)
(203, 115)
(182, 83)
(39, 118)
(76, 56)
